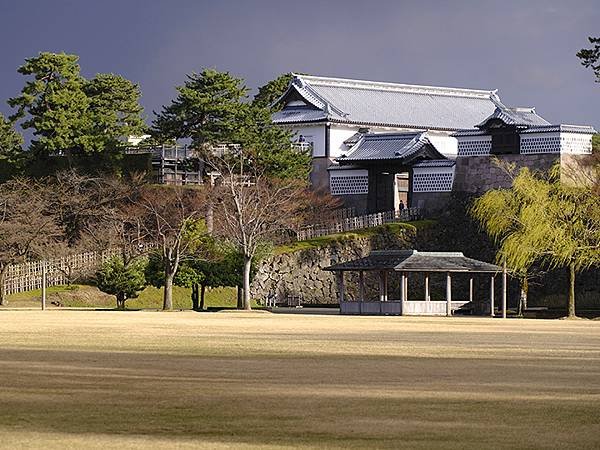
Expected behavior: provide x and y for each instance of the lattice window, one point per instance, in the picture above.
(478, 147)
(540, 144)
(349, 184)
(575, 143)
(433, 181)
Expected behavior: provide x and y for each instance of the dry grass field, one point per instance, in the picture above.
(90, 379)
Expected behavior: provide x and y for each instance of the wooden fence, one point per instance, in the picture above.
(59, 271)
(358, 222)
(28, 276)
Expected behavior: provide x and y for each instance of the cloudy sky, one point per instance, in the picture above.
(525, 49)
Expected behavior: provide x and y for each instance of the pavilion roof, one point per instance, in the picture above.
(415, 261)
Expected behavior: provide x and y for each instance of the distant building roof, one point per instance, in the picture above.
(562, 128)
(385, 104)
(520, 117)
(415, 261)
(435, 163)
(402, 147)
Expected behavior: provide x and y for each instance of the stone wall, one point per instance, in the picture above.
(480, 173)
(301, 272)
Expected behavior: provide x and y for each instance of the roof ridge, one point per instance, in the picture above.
(398, 87)
(391, 134)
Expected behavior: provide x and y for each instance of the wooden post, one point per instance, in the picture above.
(361, 285)
(448, 294)
(504, 291)
(427, 287)
(406, 287)
(492, 296)
(341, 286)
(44, 282)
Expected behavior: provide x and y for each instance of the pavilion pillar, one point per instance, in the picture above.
(385, 286)
(448, 294)
(406, 287)
(402, 284)
(492, 296)
(340, 282)
(381, 288)
(427, 296)
(361, 286)
(504, 276)
(471, 289)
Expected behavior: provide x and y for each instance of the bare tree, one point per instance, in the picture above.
(173, 221)
(28, 226)
(99, 213)
(254, 209)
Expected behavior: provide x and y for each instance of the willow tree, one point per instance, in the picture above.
(501, 211)
(542, 219)
(574, 237)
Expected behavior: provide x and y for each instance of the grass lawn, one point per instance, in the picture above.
(85, 296)
(103, 379)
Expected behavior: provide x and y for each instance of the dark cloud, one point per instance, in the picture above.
(524, 49)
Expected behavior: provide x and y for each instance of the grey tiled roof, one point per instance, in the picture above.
(470, 132)
(415, 261)
(444, 262)
(352, 140)
(377, 260)
(522, 117)
(435, 163)
(564, 128)
(391, 104)
(299, 114)
(344, 167)
(534, 129)
(389, 146)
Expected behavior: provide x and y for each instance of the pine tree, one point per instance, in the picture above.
(206, 109)
(114, 111)
(53, 103)
(11, 142)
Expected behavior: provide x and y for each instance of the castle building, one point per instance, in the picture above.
(382, 146)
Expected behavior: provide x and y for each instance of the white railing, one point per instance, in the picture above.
(304, 147)
(358, 222)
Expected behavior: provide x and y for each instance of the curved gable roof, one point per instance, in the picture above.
(390, 104)
(401, 147)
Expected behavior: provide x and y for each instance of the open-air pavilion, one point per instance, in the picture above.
(388, 263)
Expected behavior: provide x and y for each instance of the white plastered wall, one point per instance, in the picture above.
(446, 145)
(337, 136)
(314, 134)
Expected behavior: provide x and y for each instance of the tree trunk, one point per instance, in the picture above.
(202, 292)
(571, 305)
(209, 218)
(168, 294)
(195, 296)
(3, 271)
(247, 267)
(121, 301)
(523, 296)
(240, 297)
